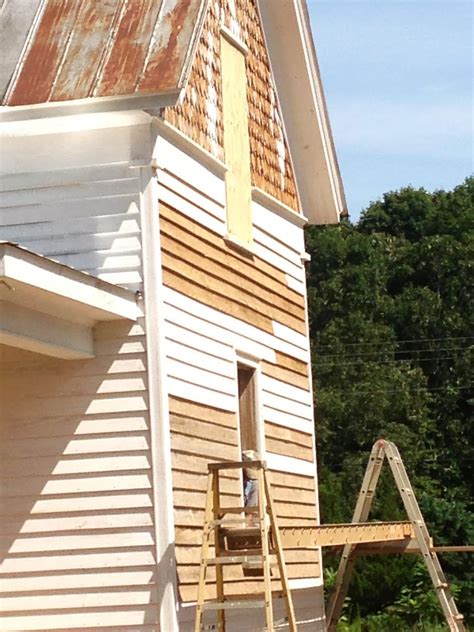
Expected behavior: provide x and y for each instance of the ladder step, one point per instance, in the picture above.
(233, 605)
(237, 510)
(235, 559)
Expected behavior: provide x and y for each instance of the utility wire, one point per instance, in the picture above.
(381, 351)
(396, 341)
(401, 360)
(397, 390)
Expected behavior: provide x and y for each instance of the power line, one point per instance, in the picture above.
(401, 360)
(396, 341)
(395, 352)
(397, 390)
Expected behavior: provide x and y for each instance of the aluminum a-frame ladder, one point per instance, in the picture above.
(386, 449)
(218, 529)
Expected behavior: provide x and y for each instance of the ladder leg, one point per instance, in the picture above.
(361, 512)
(448, 605)
(219, 570)
(290, 612)
(262, 502)
(208, 516)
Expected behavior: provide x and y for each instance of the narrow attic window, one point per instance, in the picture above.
(236, 142)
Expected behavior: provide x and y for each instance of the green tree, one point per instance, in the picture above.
(391, 309)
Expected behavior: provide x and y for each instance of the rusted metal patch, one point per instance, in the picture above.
(101, 48)
(43, 58)
(170, 44)
(86, 49)
(129, 51)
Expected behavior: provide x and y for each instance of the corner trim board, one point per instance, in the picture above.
(158, 402)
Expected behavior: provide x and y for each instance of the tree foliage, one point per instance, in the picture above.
(391, 307)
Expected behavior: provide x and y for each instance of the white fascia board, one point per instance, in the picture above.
(152, 102)
(90, 298)
(295, 69)
(77, 122)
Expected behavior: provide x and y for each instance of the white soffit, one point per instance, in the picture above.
(49, 308)
(300, 92)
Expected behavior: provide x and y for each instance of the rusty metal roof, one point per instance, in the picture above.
(62, 50)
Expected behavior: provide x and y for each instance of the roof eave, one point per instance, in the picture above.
(93, 105)
(299, 86)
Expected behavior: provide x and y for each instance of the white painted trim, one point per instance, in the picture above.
(183, 142)
(273, 204)
(158, 402)
(150, 102)
(290, 465)
(73, 123)
(249, 360)
(234, 40)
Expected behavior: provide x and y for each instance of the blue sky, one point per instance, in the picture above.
(398, 82)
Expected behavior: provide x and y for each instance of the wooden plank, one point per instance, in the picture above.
(288, 434)
(208, 296)
(203, 430)
(291, 363)
(209, 279)
(236, 141)
(197, 237)
(291, 480)
(187, 408)
(284, 375)
(203, 447)
(286, 448)
(223, 265)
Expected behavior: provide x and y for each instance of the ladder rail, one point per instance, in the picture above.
(385, 449)
(422, 537)
(214, 523)
(349, 556)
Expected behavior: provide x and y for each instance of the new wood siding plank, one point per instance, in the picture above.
(180, 283)
(194, 235)
(224, 270)
(214, 280)
(285, 375)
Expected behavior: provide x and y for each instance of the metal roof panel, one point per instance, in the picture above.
(63, 50)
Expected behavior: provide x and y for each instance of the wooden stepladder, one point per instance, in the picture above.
(385, 449)
(236, 543)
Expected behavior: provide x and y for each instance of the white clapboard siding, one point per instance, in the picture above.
(76, 505)
(239, 333)
(86, 217)
(172, 159)
(287, 234)
(195, 196)
(191, 210)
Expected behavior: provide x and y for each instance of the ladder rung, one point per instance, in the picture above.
(224, 521)
(237, 510)
(245, 532)
(234, 559)
(233, 605)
